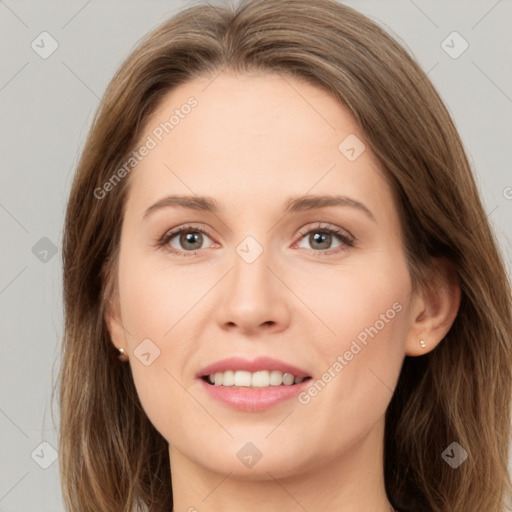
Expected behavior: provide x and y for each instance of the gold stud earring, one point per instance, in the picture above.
(423, 344)
(122, 354)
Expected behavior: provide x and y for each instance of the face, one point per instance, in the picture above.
(319, 289)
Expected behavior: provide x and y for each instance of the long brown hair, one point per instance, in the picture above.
(111, 456)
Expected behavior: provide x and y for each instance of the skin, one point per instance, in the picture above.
(253, 141)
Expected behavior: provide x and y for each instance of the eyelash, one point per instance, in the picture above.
(343, 236)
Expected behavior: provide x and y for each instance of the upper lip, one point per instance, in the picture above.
(258, 364)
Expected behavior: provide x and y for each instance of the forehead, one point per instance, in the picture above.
(250, 109)
(253, 136)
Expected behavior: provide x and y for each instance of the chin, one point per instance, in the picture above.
(253, 460)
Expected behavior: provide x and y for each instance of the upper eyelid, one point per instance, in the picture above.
(328, 227)
(186, 227)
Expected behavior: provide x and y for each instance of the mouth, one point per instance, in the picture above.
(252, 385)
(260, 373)
(253, 380)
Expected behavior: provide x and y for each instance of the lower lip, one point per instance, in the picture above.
(253, 399)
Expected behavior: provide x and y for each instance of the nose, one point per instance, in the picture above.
(254, 298)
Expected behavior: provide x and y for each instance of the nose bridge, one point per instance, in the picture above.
(250, 277)
(254, 296)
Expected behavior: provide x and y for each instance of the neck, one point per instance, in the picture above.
(349, 482)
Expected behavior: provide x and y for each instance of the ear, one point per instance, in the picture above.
(112, 317)
(434, 309)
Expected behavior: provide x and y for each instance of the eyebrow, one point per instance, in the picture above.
(293, 204)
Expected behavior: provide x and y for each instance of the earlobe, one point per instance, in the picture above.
(434, 311)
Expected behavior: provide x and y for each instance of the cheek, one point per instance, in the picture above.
(365, 305)
(154, 299)
(154, 310)
(358, 300)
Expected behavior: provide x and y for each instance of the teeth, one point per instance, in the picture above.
(261, 379)
(241, 378)
(227, 378)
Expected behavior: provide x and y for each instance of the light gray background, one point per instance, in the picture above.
(46, 109)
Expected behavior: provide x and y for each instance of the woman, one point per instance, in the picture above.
(215, 358)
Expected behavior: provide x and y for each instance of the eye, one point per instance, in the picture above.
(188, 240)
(321, 238)
(185, 241)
